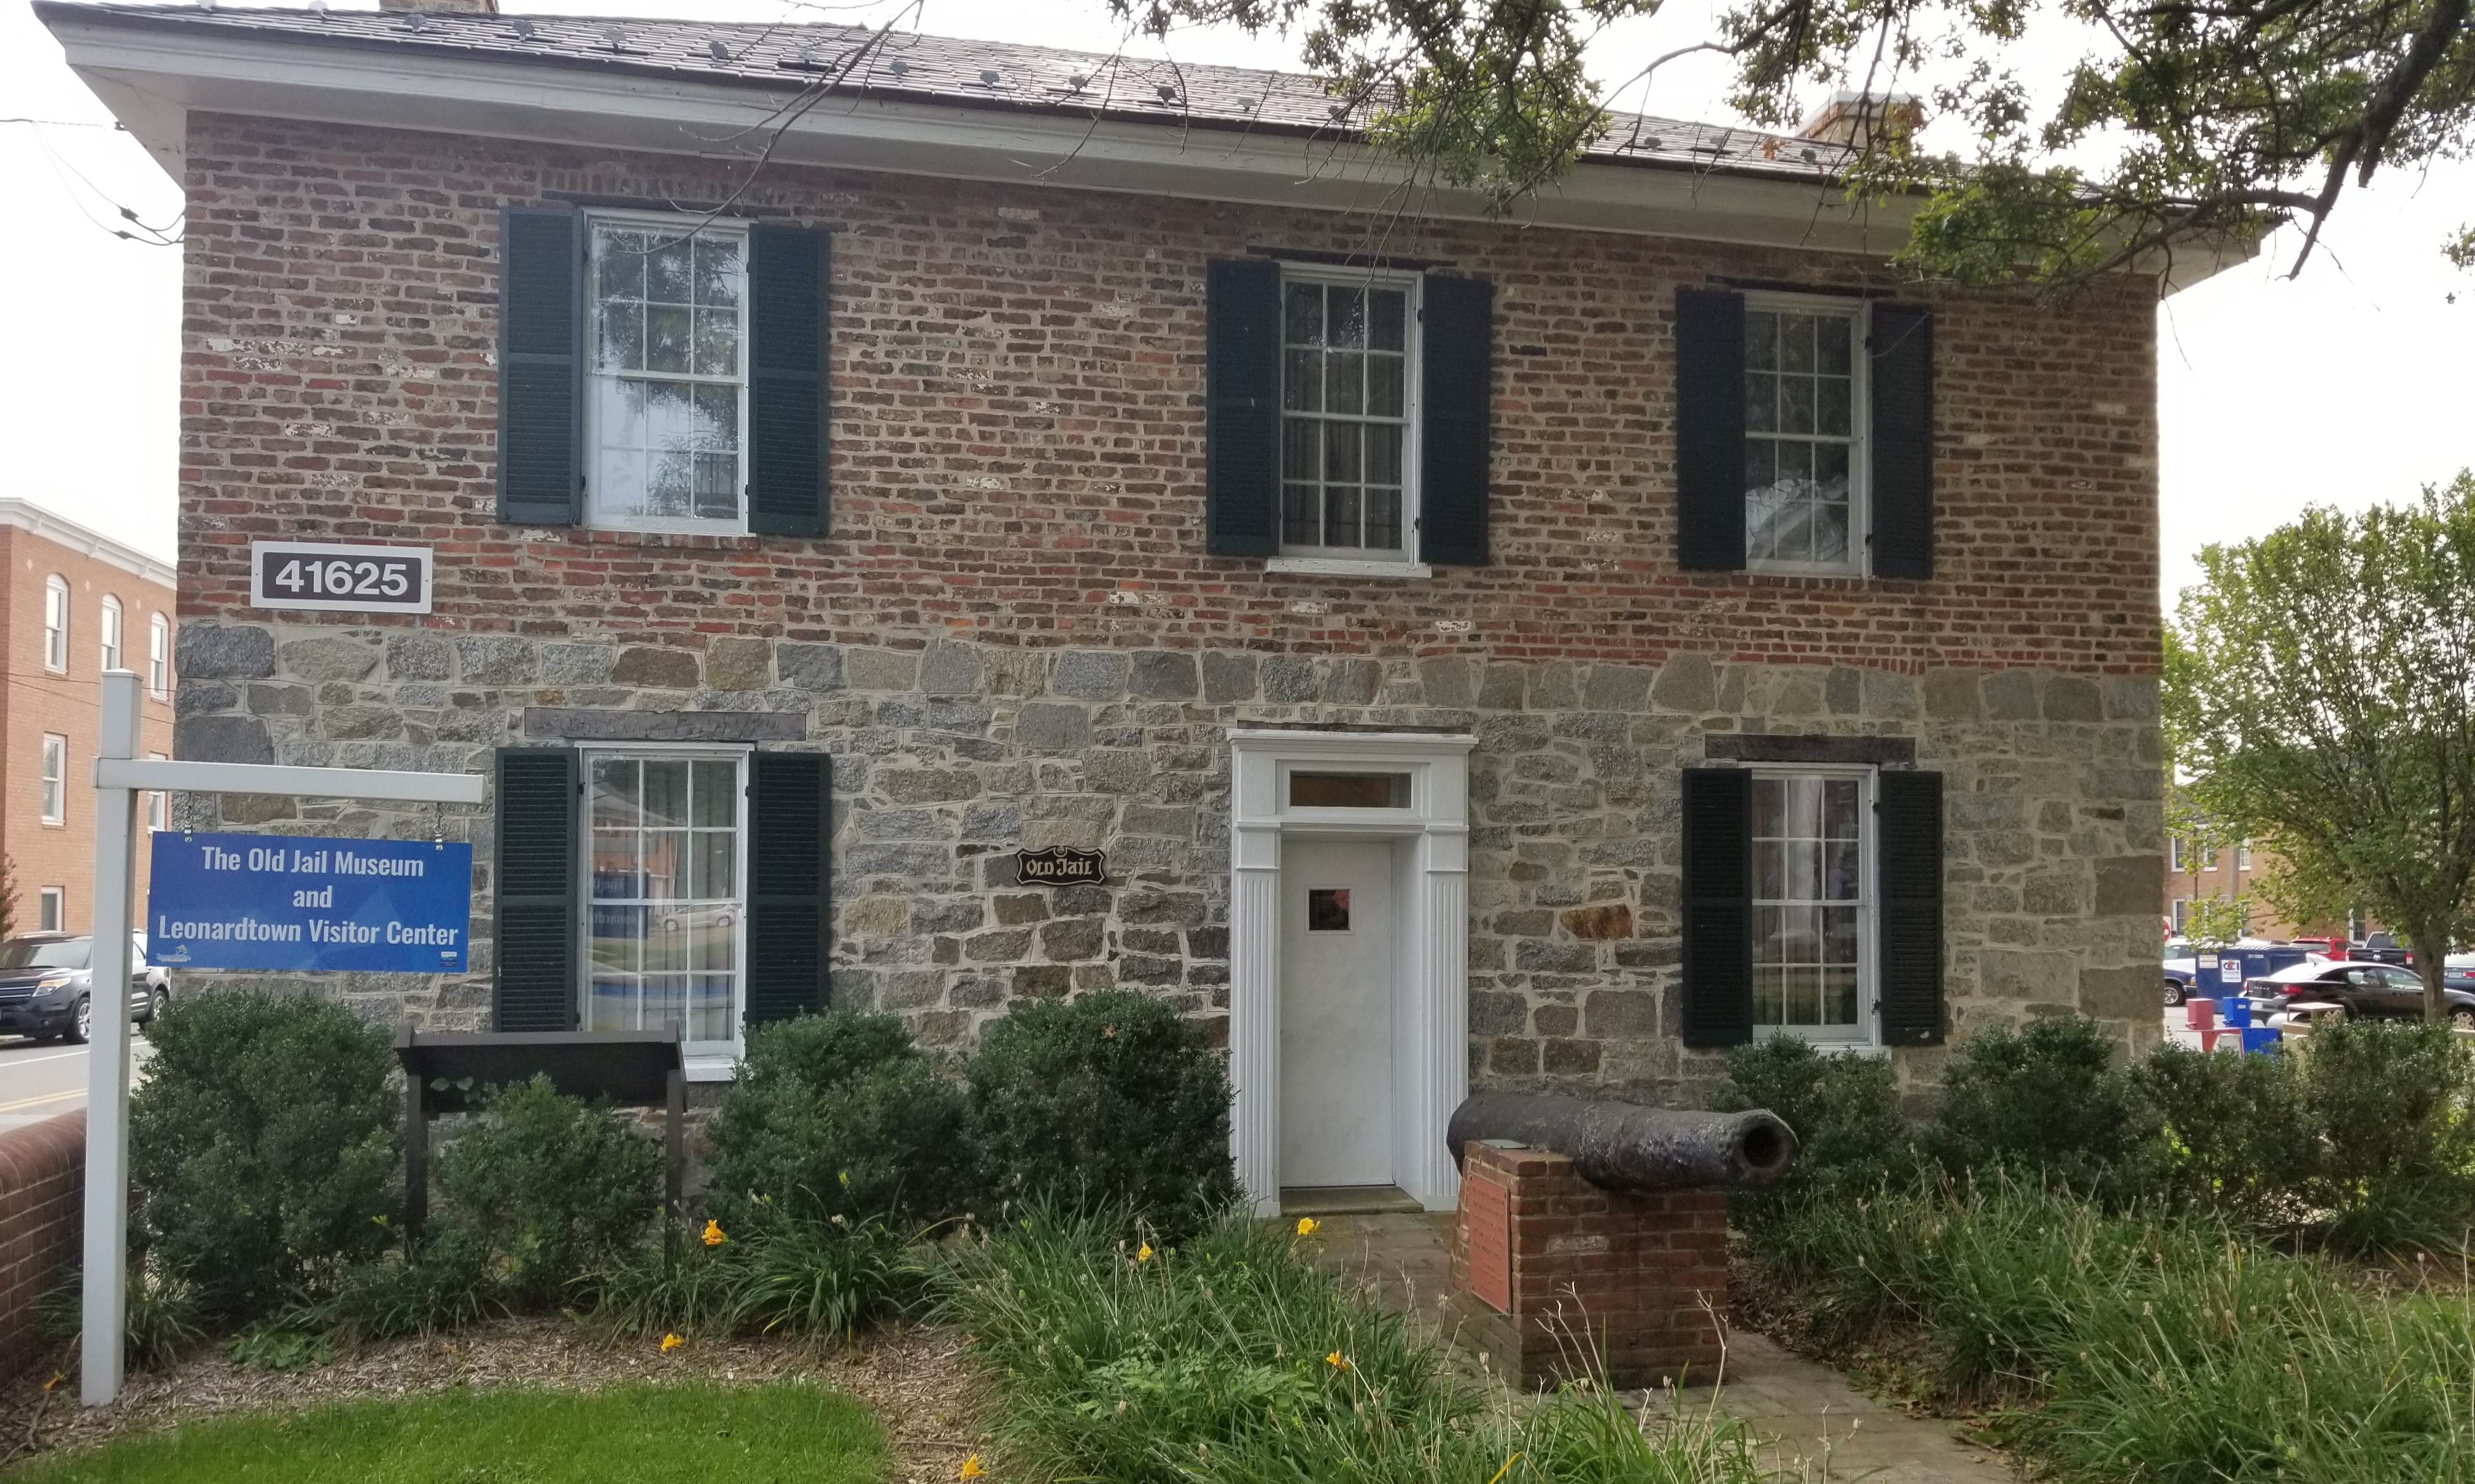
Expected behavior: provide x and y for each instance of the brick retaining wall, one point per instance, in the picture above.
(43, 1200)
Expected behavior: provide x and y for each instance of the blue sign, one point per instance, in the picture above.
(284, 902)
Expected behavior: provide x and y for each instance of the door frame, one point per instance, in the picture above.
(1430, 966)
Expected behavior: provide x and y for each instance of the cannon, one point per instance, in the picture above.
(1624, 1146)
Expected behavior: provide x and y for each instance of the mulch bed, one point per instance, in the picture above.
(925, 1394)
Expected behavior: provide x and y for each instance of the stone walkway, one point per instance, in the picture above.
(1811, 1422)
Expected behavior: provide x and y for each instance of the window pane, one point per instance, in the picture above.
(1302, 387)
(667, 267)
(716, 787)
(666, 791)
(1300, 516)
(1827, 530)
(1830, 410)
(1340, 516)
(1344, 381)
(715, 866)
(717, 270)
(1838, 997)
(614, 791)
(1387, 313)
(1833, 334)
(717, 342)
(1770, 1005)
(1348, 310)
(1382, 518)
(1383, 378)
(1796, 405)
(1761, 337)
(1761, 405)
(1341, 450)
(1305, 314)
(1796, 343)
(1382, 453)
(666, 333)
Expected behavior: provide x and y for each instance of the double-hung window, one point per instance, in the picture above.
(158, 657)
(1348, 393)
(1813, 904)
(1804, 450)
(666, 920)
(112, 622)
(666, 406)
(56, 774)
(55, 624)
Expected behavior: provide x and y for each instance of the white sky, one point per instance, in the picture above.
(2347, 386)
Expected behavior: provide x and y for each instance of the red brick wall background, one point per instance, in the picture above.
(1017, 380)
(43, 1195)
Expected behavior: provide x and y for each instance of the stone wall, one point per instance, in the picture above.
(951, 756)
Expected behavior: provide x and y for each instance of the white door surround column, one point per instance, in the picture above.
(1431, 990)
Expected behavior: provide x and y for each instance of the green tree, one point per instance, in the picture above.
(2182, 123)
(2320, 686)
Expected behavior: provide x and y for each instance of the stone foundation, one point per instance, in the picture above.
(1554, 1279)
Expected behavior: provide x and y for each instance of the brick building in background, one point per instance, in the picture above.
(77, 602)
(1538, 652)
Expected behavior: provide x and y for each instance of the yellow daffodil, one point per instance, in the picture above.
(1335, 1361)
(670, 1342)
(1307, 1226)
(971, 1469)
(1143, 1254)
(713, 1237)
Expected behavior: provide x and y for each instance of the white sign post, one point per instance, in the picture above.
(120, 774)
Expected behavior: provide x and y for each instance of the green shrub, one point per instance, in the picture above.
(2045, 1098)
(838, 1114)
(262, 1142)
(2151, 1348)
(1845, 1111)
(443, 1286)
(817, 1281)
(162, 1323)
(554, 1186)
(2391, 1102)
(1111, 1100)
(1237, 1356)
(2227, 1134)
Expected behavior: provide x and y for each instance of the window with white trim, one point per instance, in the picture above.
(112, 621)
(1805, 442)
(158, 804)
(666, 918)
(55, 624)
(158, 657)
(1348, 414)
(2178, 854)
(2243, 856)
(1813, 904)
(53, 910)
(55, 773)
(666, 404)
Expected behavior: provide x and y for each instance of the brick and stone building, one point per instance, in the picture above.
(77, 602)
(1530, 651)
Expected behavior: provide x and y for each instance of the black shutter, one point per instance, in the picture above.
(1242, 389)
(1710, 429)
(1903, 453)
(541, 366)
(790, 883)
(790, 274)
(1909, 814)
(534, 878)
(1718, 906)
(1457, 329)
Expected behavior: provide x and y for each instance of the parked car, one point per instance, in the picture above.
(2378, 948)
(2371, 992)
(2254, 957)
(47, 984)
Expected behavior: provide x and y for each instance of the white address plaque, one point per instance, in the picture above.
(338, 579)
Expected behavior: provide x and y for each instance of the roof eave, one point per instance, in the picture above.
(153, 73)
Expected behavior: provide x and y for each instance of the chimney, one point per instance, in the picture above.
(443, 7)
(1860, 120)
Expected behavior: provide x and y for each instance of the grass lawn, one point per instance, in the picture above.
(640, 1435)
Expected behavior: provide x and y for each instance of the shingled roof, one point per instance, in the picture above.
(858, 61)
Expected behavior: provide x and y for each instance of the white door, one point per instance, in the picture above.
(1337, 947)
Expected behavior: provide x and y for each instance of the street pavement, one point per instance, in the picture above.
(44, 1080)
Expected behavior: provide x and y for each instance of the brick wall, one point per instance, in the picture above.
(43, 1195)
(1633, 1280)
(36, 699)
(1014, 639)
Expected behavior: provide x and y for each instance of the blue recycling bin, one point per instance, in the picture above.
(2236, 1008)
(2261, 1040)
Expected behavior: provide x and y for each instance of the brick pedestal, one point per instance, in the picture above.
(1547, 1265)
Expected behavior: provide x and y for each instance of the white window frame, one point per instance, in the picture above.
(2178, 913)
(55, 625)
(1351, 561)
(55, 778)
(1865, 1034)
(2178, 855)
(705, 1061)
(2243, 856)
(115, 626)
(159, 656)
(1860, 442)
(683, 225)
(52, 910)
